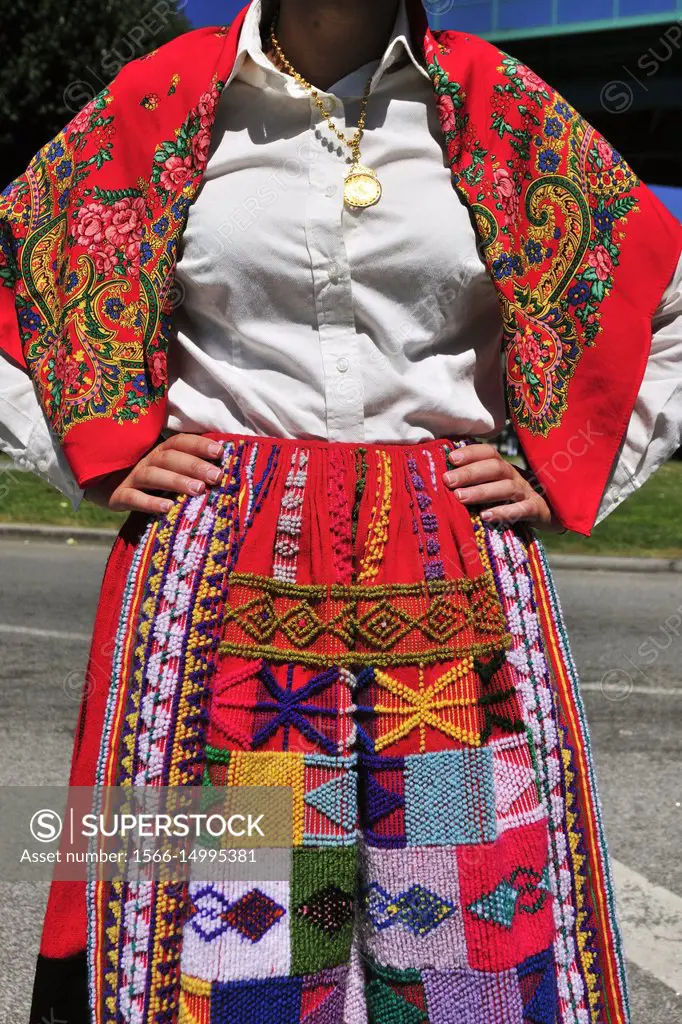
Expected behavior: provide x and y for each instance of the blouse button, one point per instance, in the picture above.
(342, 365)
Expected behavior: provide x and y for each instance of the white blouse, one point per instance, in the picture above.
(300, 318)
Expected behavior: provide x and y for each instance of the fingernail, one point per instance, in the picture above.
(214, 475)
(486, 515)
(166, 506)
(216, 448)
(196, 487)
(460, 494)
(455, 456)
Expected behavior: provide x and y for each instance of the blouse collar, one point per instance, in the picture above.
(253, 66)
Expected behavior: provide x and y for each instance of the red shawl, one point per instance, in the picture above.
(579, 250)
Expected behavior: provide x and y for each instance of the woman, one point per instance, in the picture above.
(258, 316)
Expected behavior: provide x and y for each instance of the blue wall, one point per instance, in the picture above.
(517, 17)
(220, 12)
(497, 17)
(212, 12)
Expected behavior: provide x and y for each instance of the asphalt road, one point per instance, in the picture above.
(626, 632)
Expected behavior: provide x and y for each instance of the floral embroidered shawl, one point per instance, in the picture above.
(580, 252)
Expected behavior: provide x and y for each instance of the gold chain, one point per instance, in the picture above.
(354, 143)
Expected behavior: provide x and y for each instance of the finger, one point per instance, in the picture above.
(517, 512)
(479, 473)
(473, 453)
(491, 493)
(180, 463)
(153, 478)
(194, 444)
(129, 499)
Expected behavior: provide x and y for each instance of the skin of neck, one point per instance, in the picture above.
(327, 39)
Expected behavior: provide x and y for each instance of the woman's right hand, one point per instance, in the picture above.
(182, 464)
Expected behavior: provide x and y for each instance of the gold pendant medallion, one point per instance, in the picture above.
(361, 187)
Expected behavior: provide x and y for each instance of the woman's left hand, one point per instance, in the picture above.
(480, 476)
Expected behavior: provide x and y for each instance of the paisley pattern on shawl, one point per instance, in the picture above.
(99, 261)
(89, 236)
(550, 217)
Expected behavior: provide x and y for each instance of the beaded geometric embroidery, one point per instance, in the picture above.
(396, 683)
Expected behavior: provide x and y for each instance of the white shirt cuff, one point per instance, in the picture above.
(26, 436)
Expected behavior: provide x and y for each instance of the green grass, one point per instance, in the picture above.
(648, 523)
(25, 498)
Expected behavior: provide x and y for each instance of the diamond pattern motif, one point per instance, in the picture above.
(258, 618)
(383, 626)
(417, 908)
(442, 620)
(253, 915)
(301, 625)
(348, 626)
(393, 695)
(329, 909)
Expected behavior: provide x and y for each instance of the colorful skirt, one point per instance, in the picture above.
(330, 618)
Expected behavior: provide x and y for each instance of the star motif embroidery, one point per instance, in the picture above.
(449, 705)
(285, 708)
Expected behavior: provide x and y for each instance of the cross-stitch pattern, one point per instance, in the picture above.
(331, 620)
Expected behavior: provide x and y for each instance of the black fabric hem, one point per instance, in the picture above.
(60, 991)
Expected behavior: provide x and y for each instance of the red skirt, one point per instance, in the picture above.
(332, 619)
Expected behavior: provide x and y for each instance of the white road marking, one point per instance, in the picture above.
(651, 924)
(44, 634)
(613, 695)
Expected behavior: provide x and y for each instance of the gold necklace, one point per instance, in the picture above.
(361, 185)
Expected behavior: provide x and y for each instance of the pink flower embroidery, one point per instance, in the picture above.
(132, 250)
(605, 153)
(91, 221)
(126, 224)
(158, 369)
(200, 146)
(107, 231)
(104, 257)
(81, 121)
(176, 171)
(600, 259)
(206, 108)
(65, 369)
(528, 348)
(446, 112)
(506, 193)
(530, 81)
